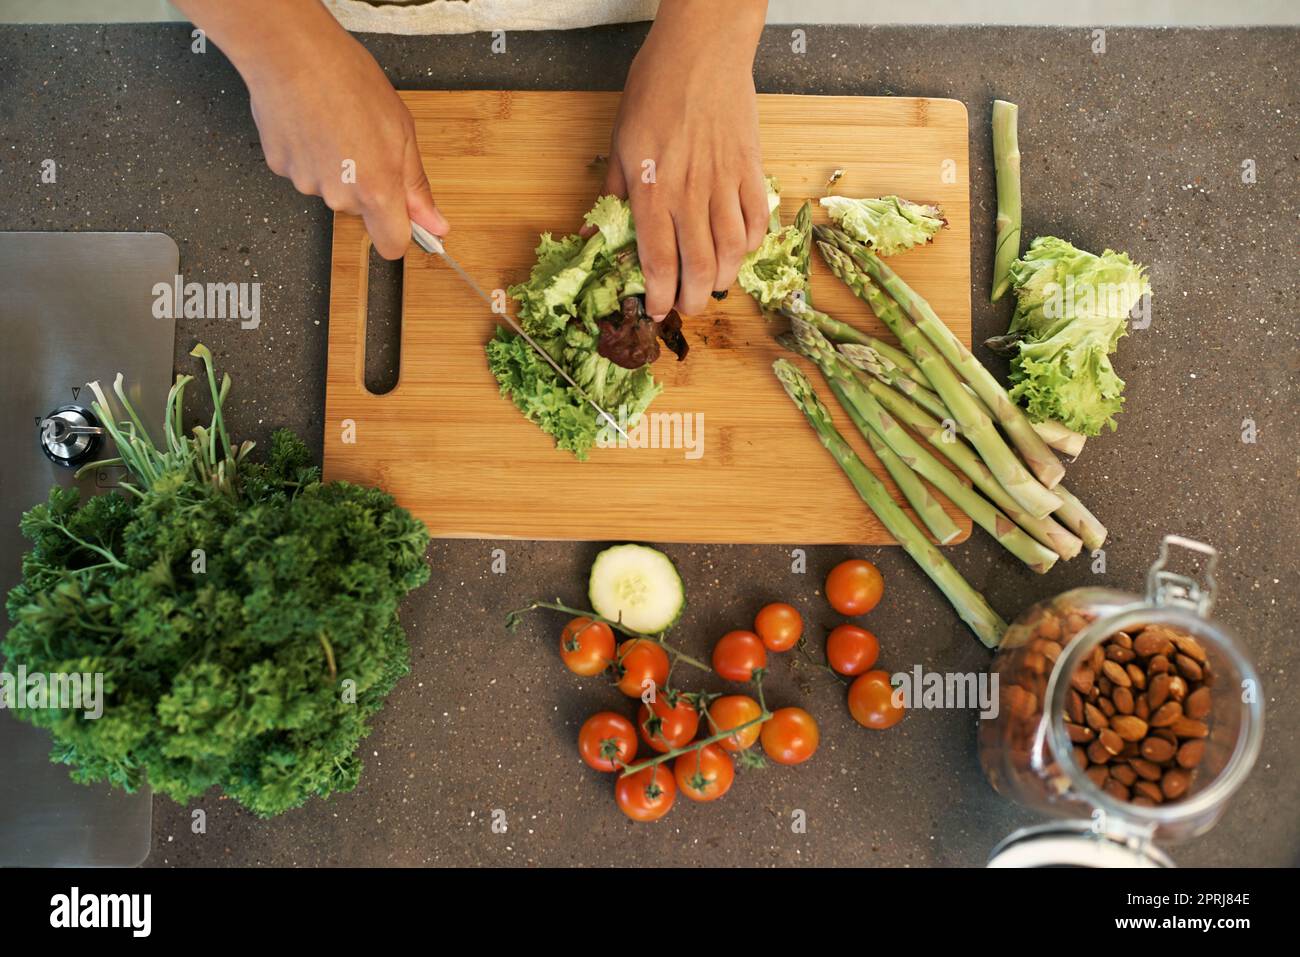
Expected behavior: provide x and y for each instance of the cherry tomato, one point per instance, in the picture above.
(851, 650)
(790, 736)
(738, 654)
(641, 660)
(779, 625)
(670, 726)
(607, 741)
(704, 774)
(731, 711)
(587, 646)
(854, 587)
(647, 795)
(871, 701)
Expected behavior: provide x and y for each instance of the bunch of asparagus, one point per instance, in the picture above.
(934, 387)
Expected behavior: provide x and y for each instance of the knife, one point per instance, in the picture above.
(432, 244)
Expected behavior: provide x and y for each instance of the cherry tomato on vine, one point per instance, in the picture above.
(664, 726)
(738, 654)
(851, 650)
(704, 774)
(641, 660)
(607, 741)
(731, 711)
(587, 647)
(647, 795)
(871, 701)
(779, 626)
(790, 736)
(854, 587)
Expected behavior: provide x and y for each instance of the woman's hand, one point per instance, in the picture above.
(685, 150)
(329, 119)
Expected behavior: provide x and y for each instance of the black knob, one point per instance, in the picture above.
(71, 435)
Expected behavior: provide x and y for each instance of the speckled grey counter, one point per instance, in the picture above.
(1139, 148)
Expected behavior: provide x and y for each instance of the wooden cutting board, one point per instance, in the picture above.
(507, 166)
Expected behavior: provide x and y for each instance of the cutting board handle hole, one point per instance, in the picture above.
(383, 323)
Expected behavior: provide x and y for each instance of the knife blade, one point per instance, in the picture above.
(432, 244)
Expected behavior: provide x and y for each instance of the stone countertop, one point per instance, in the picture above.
(1139, 148)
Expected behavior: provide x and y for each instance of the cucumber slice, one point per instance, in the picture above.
(638, 587)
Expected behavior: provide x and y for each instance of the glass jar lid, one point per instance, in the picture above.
(1076, 844)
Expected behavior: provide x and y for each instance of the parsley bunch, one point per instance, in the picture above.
(243, 614)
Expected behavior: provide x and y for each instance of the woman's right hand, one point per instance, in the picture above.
(329, 119)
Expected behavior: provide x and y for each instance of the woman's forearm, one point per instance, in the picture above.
(256, 34)
(725, 29)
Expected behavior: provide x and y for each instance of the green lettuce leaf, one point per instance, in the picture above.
(548, 300)
(540, 394)
(613, 217)
(889, 224)
(1072, 307)
(772, 271)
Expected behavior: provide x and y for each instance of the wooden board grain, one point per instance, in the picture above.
(508, 166)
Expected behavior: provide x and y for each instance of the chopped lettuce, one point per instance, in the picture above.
(1072, 308)
(548, 300)
(613, 217)
(772, 272)
(889, 224)
(586, 280)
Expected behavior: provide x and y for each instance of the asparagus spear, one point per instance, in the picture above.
(803, 223)
(1056, 434)
(1006, 159)
(1046, 530)
(1080, 521)
(943, 528)
(870, 417)
(873, 361)
(1061, 437)
(837, 331)
(1046, 466)
(973, 608)
(974, 421)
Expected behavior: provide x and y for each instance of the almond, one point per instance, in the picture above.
(1188, 667)
(1190, 647)
(1186, 727)
(1148, 643)
(1146, 769)
(1149, 790)
(1115, 789)
(1095, 718)
(1116, 673)
(1075, 707)
(1129, 727)
(1137, 676)
(1124, 774)
(1190, 754)
(1166, 714)
(1082, 680)
(1157, 749)
(1175, 783)
(1158, 690)
(1197, 704)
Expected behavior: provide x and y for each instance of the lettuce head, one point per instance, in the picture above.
(1072, 307)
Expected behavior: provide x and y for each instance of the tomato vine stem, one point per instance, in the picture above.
(512, 619)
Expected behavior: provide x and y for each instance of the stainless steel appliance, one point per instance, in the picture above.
(74, 307)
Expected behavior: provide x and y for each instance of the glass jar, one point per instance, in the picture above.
(1027, 751)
